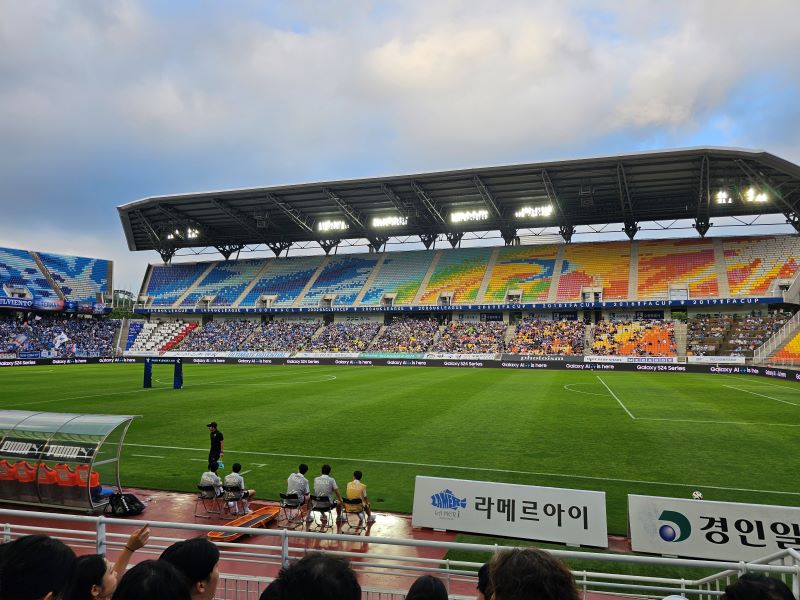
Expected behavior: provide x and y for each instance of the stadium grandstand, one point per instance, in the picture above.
(682, 298)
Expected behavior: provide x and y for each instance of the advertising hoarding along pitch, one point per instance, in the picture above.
(575, 517)
(714, 530)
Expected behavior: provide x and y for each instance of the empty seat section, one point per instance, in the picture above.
(155, 337)
(79, 279)
(401, 274)
(683, 262)
(343, 276)
(791, 351)
(754, 264)
(528, 269)
(285, 278)
(605, 265)
(134, 330)
(18, 270)
(460, 272)
(168, 282)
(225, 282)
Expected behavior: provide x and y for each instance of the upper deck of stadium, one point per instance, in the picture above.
(698, 183)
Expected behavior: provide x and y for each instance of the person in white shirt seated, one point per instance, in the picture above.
(325, 485)
(211, 478)
(236, 480)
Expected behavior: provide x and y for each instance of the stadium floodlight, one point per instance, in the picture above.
(332, 225)
(752, 195)
(463, 216)
(723, 197)
(533, 212)
(192, 233)
(393, 221)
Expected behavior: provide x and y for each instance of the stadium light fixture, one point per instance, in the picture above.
(463, 216)
(534, 212)
(723, 197)
(386, 222)
(332, 225)
(192, 233)
(753, 195)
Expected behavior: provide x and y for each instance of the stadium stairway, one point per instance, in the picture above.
(194, 285)
(487, 276)
(377, 336)
(368, 283)
(633, 270)
(47, 275)
(249, 287)
(552, 293)
(511, 331)
(721, 269)
(425, 280)
(120, 334)
(680, 339)
(310, 283)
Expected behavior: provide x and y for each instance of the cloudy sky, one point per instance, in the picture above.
(104, 102)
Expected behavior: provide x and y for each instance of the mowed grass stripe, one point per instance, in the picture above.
(516, 426)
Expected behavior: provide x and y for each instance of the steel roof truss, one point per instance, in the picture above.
(295, 215)
(630, 226)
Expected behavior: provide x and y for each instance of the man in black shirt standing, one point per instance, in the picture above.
(216, 451)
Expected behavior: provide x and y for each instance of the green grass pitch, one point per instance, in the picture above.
(734, 438)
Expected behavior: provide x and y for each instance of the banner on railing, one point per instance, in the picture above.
(629, 359)
(576, 517)
(716, 360)
(714, 530)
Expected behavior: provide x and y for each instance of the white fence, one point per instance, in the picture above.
(275, 549)
(784, 334)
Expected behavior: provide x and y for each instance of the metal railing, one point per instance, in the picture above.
(274, 549)
(774, 343)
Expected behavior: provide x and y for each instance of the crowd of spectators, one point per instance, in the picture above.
(472, 338)
(750, 331)
(218, 336)
(60, 337)
(407, 335)
(353, 336)
(278, 336)
(705, 333)
(634, 338)
(548, 338)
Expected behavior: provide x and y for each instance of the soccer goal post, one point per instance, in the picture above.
(177, 376)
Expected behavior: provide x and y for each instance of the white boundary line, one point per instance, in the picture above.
(463, 468)
(610, 391)
(568, 387)
(147, 456)
(718, 422)
(733, 387)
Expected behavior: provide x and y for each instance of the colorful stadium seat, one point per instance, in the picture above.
(226, 281)
(605, 264)
(284, 278)
(169, 282)
(400, 274)
(460, 272)
(525, 268)
(18, 269)
(79, 279)
(754, 264)
(677, 262)
(343, 276)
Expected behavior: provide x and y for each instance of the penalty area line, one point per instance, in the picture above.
(733, 387)
(147, 456)
(610, 391)
(463, 468)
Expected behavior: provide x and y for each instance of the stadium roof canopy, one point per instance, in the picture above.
(698, 184)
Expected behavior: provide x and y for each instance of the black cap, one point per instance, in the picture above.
(212, 424)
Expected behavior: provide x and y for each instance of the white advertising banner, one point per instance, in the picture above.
(715, 530)
(576, 517)
(629, 359)
(716, 360)
(452, 356)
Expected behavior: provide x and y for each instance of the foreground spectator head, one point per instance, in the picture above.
(35, 567)
(524, 573)
(427, 587)
(197, 559)
(319, 577)
(94, 578)
(326, 469)
(757, 587)
(272, 591)
(303, 468)
(484, 583)
(154, 580)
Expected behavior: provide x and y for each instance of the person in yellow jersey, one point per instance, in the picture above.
(356, 490)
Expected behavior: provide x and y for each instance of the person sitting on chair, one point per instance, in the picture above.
(236, 480)
(357, 490)
(298, 484)
(325, 485)
(210, 477)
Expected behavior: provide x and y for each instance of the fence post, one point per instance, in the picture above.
(284, 548)
(100, 532)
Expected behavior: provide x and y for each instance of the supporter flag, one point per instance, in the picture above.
(60, 340)
(20, 340)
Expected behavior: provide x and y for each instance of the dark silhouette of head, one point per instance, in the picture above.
(154, 580)
(523, 573)
(319, 577)
(427, 587)
(35, 566)
(751, 586)
(326, 469)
